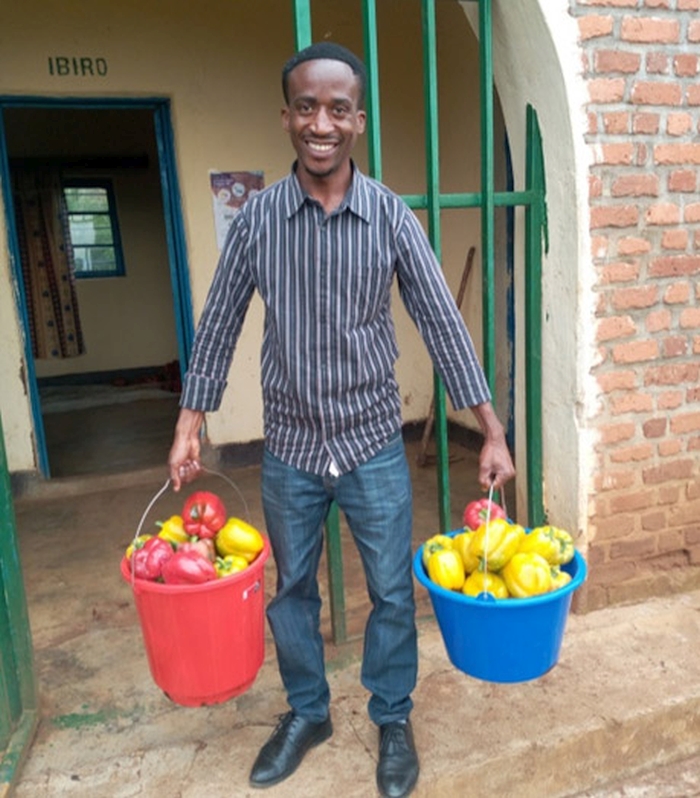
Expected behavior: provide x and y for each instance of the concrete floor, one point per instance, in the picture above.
(622, 703)
(93, 430)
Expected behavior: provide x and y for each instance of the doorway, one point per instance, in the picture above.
(111, 406)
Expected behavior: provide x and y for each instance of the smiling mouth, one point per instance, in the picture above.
(320, 148)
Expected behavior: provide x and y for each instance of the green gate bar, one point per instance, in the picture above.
(488, 268)
(302, 23)
(374, 138)
(18, 701)
(432, 164)
(535, 225)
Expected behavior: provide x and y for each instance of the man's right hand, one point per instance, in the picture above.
(495, 463)
(184, 459)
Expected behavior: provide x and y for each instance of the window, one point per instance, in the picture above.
(94, 232)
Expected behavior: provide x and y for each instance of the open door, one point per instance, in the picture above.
(136, 321)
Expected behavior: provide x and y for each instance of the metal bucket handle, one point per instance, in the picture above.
(162, 490)
(485, 595)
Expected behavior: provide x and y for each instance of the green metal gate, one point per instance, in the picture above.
(532, 198)
(18, 702)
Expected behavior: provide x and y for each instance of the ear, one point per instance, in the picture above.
(361, 121)
(285, 118)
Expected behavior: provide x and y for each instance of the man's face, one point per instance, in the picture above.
(323, 118)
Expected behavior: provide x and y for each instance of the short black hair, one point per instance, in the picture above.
(332, 52)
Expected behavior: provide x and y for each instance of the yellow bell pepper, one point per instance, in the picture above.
(559, 578)
(485, 582)
(173, 530)
(566, 545)
(136, 544)
(445, 568)
(494, 544)
(239, 538)
(462, 545)
(230, 564)
(435, 543)
(542, 541)
(554, 544)
(527, 574)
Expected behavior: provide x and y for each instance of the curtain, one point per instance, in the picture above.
(47, 263)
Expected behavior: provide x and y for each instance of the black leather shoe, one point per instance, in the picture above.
(397, 770)
(283, 752)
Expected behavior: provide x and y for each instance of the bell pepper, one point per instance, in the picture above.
(445, 568)
(485, 582)
(239, 538)
(527, 574)
(542, 541)
(230, 564)
(136, 544)
(496, 542)
(433, 544)
(203, 514)
(173, 530)
(566, 544)
(188, 568)
(559, 578)
(148, 561)
(479, 511)
(204, 547)
(462, 545)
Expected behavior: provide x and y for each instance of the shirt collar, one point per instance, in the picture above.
(356, 199)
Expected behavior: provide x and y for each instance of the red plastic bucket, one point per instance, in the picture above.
(205, 643)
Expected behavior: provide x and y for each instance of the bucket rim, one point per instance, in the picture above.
(577, 580)
(146, 586)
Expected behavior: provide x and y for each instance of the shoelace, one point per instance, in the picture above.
(283, 720)
(394, 739)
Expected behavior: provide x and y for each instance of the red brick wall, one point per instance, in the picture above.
(641, 62)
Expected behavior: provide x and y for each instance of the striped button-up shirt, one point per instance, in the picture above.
(329, 347)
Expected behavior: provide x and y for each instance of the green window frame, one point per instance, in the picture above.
(93, 227)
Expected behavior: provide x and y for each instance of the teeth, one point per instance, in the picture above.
(320, 147)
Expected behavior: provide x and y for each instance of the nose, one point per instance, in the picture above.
(322, 122)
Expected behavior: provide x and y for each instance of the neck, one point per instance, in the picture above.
(328, 190)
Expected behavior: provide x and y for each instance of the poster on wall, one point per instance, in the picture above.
(229, 191)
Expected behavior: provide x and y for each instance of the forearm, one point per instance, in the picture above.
(189, 424)
(490, 425)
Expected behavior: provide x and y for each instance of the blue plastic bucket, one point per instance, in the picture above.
(506, 640)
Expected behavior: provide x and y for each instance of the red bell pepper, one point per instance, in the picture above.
(476, 513)
(148, 561)
(205, 547)
(188, 568)
(203, 514)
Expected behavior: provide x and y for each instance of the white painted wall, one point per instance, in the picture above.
(535, 62)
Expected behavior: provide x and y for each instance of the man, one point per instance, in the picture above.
(322, 248)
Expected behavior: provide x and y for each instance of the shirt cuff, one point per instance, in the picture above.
(201, 393)
(469, 397)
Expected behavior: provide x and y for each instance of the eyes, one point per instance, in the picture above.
(338, 111)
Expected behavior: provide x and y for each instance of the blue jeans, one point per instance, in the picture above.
(377, 501)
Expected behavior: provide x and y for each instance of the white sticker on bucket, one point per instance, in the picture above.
(250, 590)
